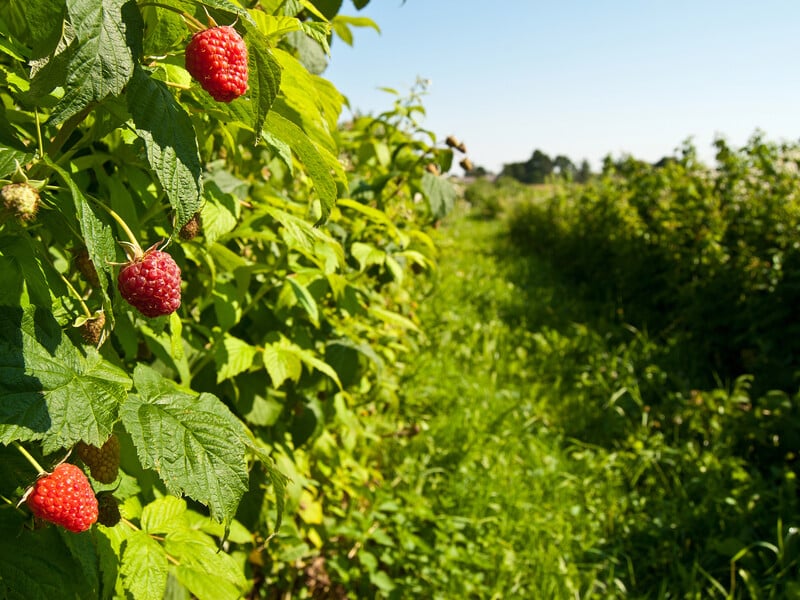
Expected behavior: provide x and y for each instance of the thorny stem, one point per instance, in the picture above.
(30, 458)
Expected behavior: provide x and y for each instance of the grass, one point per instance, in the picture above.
(539, 469)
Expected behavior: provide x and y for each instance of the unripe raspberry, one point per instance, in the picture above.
(21, 200)
(151, 283)
(92, 329)
(86, 266)
(217, 59)
(192, 228)
(103, 462)
(108, 509)
(65, 497)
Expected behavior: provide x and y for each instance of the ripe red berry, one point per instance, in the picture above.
(217, 59)
(103, 462)
(151, 283)
(65, 497)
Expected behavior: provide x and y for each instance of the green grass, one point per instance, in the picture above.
(540, 469)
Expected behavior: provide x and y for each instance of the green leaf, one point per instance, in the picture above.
(35, 21)
(281, 364)
(440, 194)
(40, 565)
(195, 444)
(233, 356)
(101, 60)
(367, 255)
(9, 159)
(305, 299)
(264, 76)
(144, 567)
(170, 141)
(206, 572)
(48, 389)
(310, 156)
(97, 236)
(164, 515)
(278, 480)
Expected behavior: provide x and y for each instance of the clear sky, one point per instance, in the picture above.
(584, 78)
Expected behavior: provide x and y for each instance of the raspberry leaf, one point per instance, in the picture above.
(97, 236)
(144, 567)
(265, 76)
(170, 142)
(194, 443)
(9, 158)
(100, 60)
(48, 389)
(311, 156)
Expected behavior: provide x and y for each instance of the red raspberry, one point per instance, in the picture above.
(217, 59)
(103, 462)
(151, 283)
(65, 498)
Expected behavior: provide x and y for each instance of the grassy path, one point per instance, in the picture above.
(489, 468)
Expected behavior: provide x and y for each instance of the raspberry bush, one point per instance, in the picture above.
(226, 362)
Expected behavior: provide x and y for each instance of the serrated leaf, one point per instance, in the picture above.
(97, 236)
(144, 567)
(170, 142)
(195, 444)
(102, 61)
(440, 194)
(281, 364)
(264, 78)
(48, 389)
(164, 515)
(9, 159)
(35, 21)
(206, 572)
(311, 156)
(233, 356)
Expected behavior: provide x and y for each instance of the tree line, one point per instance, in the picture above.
(539, 167)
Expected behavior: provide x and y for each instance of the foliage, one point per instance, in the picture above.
(539, 168)
(658, 359)
(296, 306)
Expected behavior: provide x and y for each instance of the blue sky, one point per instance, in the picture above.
(583, 78)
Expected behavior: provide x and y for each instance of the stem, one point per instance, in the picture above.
(30, 458)
(192, 22)
(121, 223)
(67, 128)
(39, 132)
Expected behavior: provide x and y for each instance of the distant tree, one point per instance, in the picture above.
(584, 172)
(564, 167)
(538, 167)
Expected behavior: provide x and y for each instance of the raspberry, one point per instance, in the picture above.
(86, 266)
(108, 509)
(65, 497)
(151, 283)
(192, 228)
(217, 59)
(103, 462)
(92, 329)
(21, 200)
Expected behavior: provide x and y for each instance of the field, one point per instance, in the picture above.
(251, 347)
